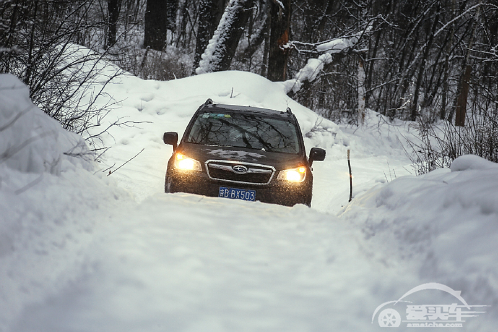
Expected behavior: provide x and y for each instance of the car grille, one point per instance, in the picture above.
(254, 173)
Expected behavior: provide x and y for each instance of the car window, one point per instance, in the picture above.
(246, 131)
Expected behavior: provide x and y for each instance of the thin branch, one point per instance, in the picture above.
(112, 172)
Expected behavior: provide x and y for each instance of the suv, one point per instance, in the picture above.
(242, 152)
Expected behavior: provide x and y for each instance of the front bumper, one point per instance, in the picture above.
(276, 192)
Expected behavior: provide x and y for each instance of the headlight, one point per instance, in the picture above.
(293, 175)
(188, 164)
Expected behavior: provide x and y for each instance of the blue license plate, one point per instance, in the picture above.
(234, 193)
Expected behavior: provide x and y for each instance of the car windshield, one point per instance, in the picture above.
(245, 131)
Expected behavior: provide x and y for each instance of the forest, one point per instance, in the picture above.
(434, 62)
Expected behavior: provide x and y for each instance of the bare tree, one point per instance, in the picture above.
(113, 8)
(42, 50)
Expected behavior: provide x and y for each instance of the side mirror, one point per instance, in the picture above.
(316, 154)
(171, 138)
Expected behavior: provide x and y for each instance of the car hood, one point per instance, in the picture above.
(278, 160)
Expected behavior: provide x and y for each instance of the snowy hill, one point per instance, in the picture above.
(83, 251)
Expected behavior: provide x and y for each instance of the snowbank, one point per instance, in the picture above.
(31, 141)
(49, 200)
(471, 162)
(445, 223)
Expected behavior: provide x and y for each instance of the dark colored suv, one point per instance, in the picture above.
(242, 152)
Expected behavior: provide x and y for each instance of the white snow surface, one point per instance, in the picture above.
(83, 251)
(29, 131)
(336, 45)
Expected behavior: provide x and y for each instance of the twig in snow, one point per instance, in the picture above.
(112, 172)
(350, 180)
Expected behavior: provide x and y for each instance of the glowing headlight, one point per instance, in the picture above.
(293, 175)
(184, 163)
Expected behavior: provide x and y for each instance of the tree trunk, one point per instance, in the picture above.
(113, 9)
(315, 13)
(322, 19)
(155, 25)
(463, 87)
(221, 48)
(256, 40)
(172, 7)
(210, 12)
(420, 75)
(279, 36)
(266, 48)
(446, 84)
(461, 105)
(361, 93)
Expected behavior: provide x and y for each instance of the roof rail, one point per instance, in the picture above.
(288, 110)
(208, 102)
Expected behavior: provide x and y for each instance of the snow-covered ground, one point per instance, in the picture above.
(82, 250)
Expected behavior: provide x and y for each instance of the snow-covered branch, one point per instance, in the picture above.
(330, 50)
(280, 4)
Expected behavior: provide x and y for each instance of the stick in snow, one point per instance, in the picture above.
(112, 172)
(350, 180)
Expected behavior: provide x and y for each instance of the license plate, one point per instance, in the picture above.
(234, 193)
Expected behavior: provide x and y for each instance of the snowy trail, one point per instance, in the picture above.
(172, 263)
(190, 263)
(79, 253)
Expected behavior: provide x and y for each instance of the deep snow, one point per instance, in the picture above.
(83, 251)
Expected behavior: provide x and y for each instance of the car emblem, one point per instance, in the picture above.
(239, 169)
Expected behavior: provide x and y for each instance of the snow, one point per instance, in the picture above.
(280, 4)
(308, 72)
(471, 162)
(337, 45)
(83, 251)
(444, 222)
(219, 153)
(314, 66)
(49, 203)
(29, 131)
